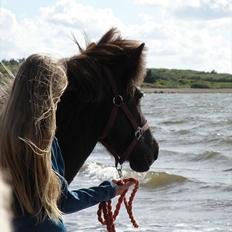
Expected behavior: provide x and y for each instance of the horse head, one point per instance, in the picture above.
(102, 104)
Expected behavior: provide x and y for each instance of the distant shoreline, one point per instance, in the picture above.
(185, 90)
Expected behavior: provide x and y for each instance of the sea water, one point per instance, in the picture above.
(189, 187)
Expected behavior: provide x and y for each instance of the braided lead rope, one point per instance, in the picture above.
(105, 215)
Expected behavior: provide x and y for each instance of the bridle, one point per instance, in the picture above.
(139, 128)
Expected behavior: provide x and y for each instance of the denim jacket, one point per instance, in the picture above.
(70, 201)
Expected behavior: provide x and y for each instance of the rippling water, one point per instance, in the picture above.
(189, 187)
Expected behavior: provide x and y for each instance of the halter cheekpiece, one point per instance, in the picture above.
(139, 128)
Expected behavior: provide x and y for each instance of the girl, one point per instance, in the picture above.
(30, 153)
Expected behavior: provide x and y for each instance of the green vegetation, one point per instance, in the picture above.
(175, 78)
(157, 78)
(11, 66)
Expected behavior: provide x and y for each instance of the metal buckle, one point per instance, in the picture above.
(118, 100)
(138, 133)
(119, 169)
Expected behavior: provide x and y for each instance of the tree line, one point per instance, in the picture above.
(157, 77)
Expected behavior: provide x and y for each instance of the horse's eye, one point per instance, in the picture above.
(139, 94)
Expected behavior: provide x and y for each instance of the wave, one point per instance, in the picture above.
(207, 155)
(98, 171)
(227, 170)
(149, 179)
(173, 122)
(211, 156)
(161, 179)
(183, 131)
(226, 141)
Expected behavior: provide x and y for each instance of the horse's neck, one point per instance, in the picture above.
(77, 137)
(75, 152)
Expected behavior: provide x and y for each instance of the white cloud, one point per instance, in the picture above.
(71, 14)
(51, 30)
(169, 3)
(172, 42)
(193, 9)
(223, 4)
(204, 45)
(21, 38)
(10, 32)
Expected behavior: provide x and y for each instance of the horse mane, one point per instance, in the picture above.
(86, 68)
(110, 51)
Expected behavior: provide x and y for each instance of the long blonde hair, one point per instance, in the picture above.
(27, 129)
(5, 202)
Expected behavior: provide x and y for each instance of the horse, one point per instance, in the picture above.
(102, 104)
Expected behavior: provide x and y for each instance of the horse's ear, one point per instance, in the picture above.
(137, 52)
(135, 65)
(135, 56)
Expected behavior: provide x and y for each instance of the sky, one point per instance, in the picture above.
(180, 34)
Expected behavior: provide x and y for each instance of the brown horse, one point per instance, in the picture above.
(102, 104)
